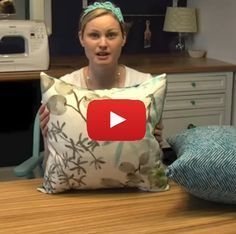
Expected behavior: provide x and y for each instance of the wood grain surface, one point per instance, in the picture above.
(25, 210)
(151, 63)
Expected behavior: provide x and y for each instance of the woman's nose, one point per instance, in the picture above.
(103, 42)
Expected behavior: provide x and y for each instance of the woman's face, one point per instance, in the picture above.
(102, 40)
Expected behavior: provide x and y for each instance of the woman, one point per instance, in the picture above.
(102, 34)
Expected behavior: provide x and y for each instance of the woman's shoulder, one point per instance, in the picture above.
(134, 77)
(75, 78)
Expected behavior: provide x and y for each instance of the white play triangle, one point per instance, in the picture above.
(115, 119)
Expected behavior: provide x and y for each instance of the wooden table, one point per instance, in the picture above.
(25, 210)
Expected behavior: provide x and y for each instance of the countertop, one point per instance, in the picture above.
(152, 63)
(25, 210)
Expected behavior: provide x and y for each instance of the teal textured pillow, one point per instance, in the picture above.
(77, 162)
(206, 164)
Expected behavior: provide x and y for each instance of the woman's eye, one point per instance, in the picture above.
(112, 35)
(94, 35)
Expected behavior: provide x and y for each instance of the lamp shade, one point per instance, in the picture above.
(7, 7)
(180, 19)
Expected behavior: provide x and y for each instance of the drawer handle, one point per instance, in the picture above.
(193, 84)
(191, 126)
(193, 102)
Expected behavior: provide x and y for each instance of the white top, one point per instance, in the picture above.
(133, 77)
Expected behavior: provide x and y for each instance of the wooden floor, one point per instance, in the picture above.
(25, 210)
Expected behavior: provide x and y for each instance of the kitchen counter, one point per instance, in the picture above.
(152, 63)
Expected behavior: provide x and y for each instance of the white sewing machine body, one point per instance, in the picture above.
(23, 45)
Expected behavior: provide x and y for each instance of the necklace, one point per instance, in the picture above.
(90, 81)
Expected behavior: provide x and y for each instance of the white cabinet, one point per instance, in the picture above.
(197, 99)
(234, 103)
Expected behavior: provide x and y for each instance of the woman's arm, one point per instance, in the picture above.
(44, 118)
(158, 133)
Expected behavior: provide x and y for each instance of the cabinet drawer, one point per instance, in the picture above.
(176, 121)
(194, 101)
(196, 82)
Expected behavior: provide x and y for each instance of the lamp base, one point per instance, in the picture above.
(177, 45)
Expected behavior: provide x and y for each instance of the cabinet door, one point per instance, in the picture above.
(176, 121)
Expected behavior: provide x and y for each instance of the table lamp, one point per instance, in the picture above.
(180, 20)
(7, 7)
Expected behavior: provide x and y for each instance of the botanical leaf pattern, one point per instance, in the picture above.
(63, 88)
(77, 162)
(157, 176)
(46, 82)
(127, 167)
(143, 159)
(57, 105)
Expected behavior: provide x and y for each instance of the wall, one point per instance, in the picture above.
(20, 6)
(217, 32)
(64, 39)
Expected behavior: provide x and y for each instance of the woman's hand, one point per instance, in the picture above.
(158, 133)
(43, 118)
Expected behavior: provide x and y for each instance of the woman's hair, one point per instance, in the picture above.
(85, 18)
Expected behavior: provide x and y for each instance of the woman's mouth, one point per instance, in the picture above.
(103, 55)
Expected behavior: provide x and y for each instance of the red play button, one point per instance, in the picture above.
(116, 120)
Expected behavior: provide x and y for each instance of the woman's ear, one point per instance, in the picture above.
(124, 40)
(81, 38)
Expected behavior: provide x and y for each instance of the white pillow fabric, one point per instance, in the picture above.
(77, 162)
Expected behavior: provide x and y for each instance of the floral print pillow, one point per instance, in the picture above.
(77, 162)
